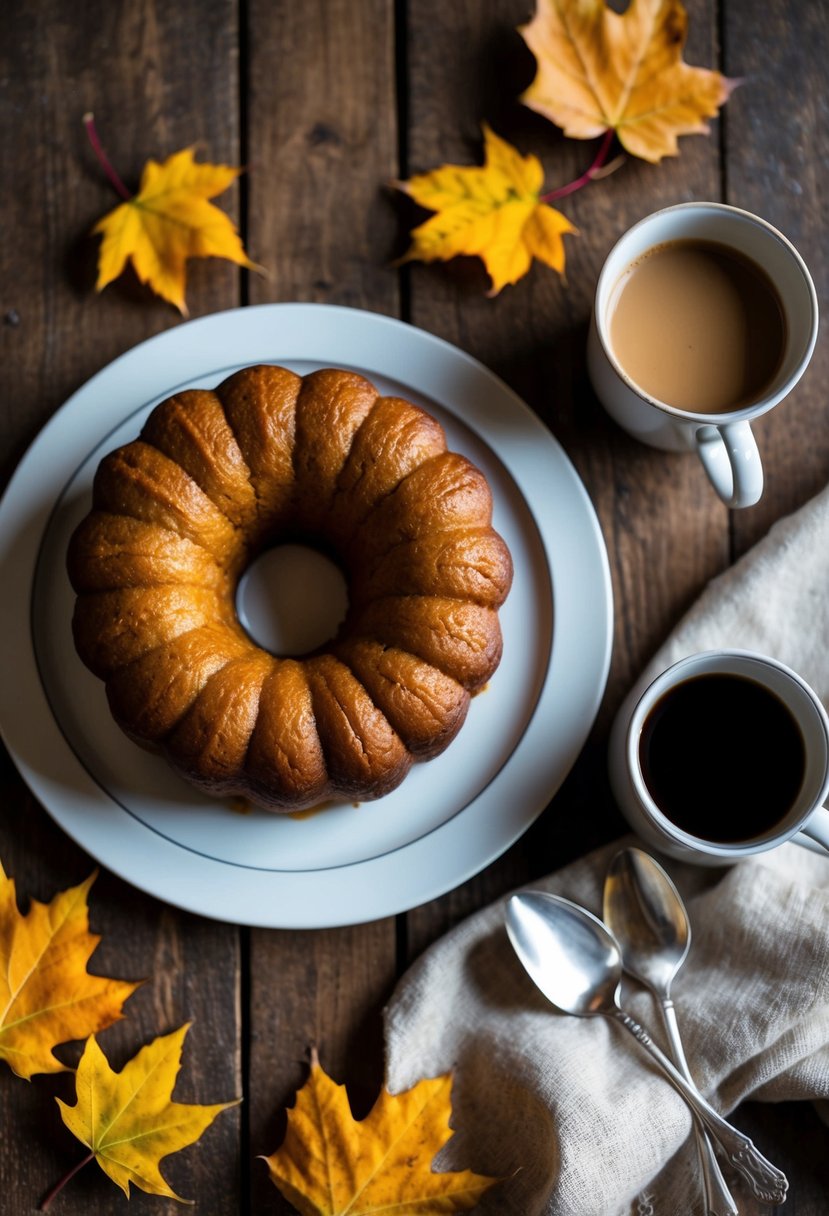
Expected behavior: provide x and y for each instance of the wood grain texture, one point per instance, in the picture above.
(158, 77)
(322, 145)
(782, 177)
(322, 148)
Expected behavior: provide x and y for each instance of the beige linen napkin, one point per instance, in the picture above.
(569, 1110)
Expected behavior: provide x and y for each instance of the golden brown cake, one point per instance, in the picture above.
(270, 457)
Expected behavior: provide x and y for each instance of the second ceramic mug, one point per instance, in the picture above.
(806, 819)
(724, 442)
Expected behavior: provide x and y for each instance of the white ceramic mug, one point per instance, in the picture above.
(724, 443)
(807, 821)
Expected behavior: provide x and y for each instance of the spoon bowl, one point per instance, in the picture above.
(566, 951)
(645, 913)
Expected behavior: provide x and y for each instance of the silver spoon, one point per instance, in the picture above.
(575, 961)
(645, 913)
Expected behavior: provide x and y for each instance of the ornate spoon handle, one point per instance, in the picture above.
(766, 1181)
(718, 1199)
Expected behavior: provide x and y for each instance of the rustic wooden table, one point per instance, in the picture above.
(327, 102)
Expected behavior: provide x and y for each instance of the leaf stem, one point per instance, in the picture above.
(103, 159)
(44, 1204)
(588, 175)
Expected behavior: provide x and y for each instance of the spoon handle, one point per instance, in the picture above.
(718, 1199)
(767, 1183)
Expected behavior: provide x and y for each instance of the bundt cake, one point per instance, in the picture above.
(266, 458)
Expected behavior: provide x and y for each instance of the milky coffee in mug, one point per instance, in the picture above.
(698, 325)
(705, 318)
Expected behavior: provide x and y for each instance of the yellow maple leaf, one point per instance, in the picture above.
(329, 1164)
(168, 221)
(46, 994)
(599, 70)
(128, 1120)
(493, 212)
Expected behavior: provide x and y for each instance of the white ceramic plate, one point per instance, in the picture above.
(452, 815)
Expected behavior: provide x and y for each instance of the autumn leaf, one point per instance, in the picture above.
(46, 995)
(168, 221)
(493, 212)
(599, 70)
(329, 1164)
(128, 1120)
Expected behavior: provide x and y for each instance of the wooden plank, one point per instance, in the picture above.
(777, 147)
(777, 151)
(665, 531)
(158, 78)
(322, 146)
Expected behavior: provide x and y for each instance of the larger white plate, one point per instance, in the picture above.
(452, 815)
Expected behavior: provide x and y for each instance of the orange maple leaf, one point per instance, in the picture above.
(494, 212)
(46, 994)
(329, 1164)
(168, 221)
(599, 70)
(128, 1119)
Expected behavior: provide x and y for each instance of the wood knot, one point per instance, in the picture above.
(321, 134)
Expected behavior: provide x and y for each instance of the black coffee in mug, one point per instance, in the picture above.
(722, 757)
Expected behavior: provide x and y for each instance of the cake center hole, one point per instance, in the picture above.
(291, 599)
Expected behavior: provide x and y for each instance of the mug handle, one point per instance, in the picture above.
(815, 832)
(730, 457)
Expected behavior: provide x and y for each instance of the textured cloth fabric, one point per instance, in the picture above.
(570, 1111)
